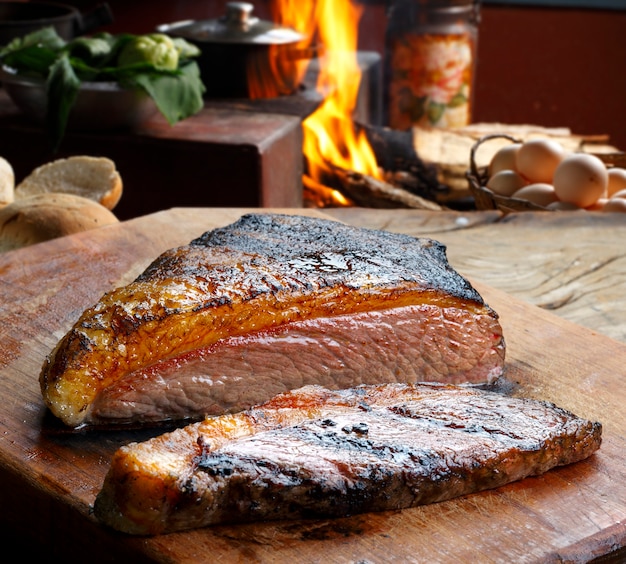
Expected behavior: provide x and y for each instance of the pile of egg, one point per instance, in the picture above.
(543, 172)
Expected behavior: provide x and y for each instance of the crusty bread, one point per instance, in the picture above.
(41, 217)
(7, 182)
(95, 178)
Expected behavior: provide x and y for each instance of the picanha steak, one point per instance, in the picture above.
(265, 305)
(315, 453)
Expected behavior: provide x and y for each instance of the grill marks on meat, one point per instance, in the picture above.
(216, 308)
(318, 453)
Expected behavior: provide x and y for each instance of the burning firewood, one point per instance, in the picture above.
(403, 179)
(403, 167)
(406, 180)
(316, 195)
(370, 192)
(355, 188)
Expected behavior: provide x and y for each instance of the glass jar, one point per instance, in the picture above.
(430, 57)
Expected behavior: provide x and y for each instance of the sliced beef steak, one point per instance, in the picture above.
(320, 453)
(336, 352)
(264, 305)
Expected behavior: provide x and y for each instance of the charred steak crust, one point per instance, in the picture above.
(263, 272)
(309, 253)
(315, 453)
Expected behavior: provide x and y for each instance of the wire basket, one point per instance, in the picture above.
(486, 199)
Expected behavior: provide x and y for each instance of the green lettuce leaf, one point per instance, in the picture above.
(63, 66)
(62, 89)
(31, 60)
(176, 95)
(46, 37)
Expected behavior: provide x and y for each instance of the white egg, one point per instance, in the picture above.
(538, 193)
(619, 194)
(505, 182)
(597, 205)
(617, 181)
(504, 159)
(615, 205)
(537, 159)
(580, 179)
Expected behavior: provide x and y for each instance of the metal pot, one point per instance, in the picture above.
(98, 105)
(241, 55)
(21, 18)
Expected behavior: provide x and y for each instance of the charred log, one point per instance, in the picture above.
(395, 154)
(370, 192)
(365, 191)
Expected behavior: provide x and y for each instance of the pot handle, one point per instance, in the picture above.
(97, 17)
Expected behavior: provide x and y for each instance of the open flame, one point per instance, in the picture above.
(330, 138)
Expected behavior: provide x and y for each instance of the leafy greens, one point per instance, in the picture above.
(63, 66)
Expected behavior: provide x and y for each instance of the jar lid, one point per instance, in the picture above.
(403, 13)
(236, 26)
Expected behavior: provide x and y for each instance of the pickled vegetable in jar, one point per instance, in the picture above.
(430, 61)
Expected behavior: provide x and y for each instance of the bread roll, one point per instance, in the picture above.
(7, 182)
(95, 178)
(41, 217)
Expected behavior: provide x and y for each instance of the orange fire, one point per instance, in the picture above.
(330, 137)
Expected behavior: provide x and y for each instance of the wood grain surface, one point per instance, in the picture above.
(49, 478)
(573, 264)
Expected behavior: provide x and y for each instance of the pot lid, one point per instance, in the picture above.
(237, 25)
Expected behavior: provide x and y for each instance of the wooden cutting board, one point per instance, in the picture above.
(49, 478)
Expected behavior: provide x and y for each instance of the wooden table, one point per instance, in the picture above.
(222, 156)
(571, 265)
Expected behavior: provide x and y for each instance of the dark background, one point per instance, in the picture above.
(549, 66)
